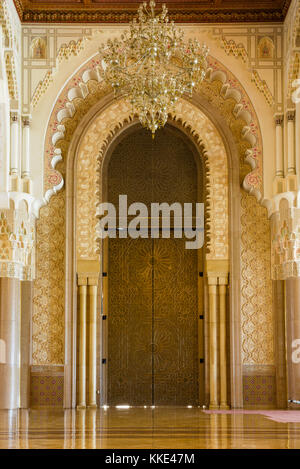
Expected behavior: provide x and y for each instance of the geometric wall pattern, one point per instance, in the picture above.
(259, 391)
(48, 318)
(256, 284)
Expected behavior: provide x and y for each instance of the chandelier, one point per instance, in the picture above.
(152, 66)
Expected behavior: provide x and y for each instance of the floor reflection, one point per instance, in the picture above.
(143, 428)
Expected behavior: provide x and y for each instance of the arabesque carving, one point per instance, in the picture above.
(48, 316)
(285, 226)
(256, 285)
(232, 48)
(263, 87)
(17, 238)
(64, 53)
(95, 142)
(220, 88)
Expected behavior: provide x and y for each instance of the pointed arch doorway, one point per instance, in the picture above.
(153, 337)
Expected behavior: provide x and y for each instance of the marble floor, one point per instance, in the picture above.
(159, 428)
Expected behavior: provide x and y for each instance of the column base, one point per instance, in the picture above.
(92, 406)
(224, 407)
(81, 407)
(213, 407)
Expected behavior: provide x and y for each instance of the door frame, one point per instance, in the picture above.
(104, 289)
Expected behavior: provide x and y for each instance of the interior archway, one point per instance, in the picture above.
(154, 310)
(99, 134)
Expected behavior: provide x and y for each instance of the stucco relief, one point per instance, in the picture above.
(220, 88)
(17, 243)
(48, 318)
(256, 285)
(285, 226)
(90, 158)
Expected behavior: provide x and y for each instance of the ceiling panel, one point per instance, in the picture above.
(99, 11)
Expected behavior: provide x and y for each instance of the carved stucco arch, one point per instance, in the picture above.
(96, 140)
(220, 89)
(101, 126)
(222, 98)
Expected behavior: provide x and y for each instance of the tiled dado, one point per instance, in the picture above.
(259, 386)
(47, 386)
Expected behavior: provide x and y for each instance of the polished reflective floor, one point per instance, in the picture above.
(159, 428)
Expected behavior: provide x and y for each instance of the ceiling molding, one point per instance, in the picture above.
(205, 11)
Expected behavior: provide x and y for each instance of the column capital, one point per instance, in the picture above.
(212, 279)
(223, 279)
(278, 119)
(217, 271)
(82, 280)
(223, 282)
(14, 116)
(26, 120)
(290, 115)
(92, 280)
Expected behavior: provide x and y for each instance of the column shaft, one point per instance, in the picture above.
(14, 145)
(213, 350)
(291, 142)
(279, 146)
(9, 343)
(82, 347)
(92, 345)
(297, 134)
(223, 351)
(26, 149)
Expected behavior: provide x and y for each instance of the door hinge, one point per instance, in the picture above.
(104, 317)
(200, 274)
(103, 361)
(201, 360)
(104, 274)
(201, 316)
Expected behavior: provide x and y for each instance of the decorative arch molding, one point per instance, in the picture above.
(220, 88)
(229, 110)
(11, 45)
(100, 133)
(285, 238)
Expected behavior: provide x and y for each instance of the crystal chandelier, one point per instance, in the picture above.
(152, 66)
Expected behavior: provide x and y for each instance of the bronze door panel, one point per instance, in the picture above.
(152, 323)
(129, 323)
(175, 370)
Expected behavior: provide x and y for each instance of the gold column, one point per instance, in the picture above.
(223, 360)
(82, 283)
(92, 286)
(213, 347)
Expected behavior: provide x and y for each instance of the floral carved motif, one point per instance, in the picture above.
(48, 318)
(95, 142)
(17, 238)
(220, 88)
(256, 285)
(285, 225)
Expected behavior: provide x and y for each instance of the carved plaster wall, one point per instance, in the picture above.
(285, 225)
(48, 318)
(90, 158)
(256, 286)
(220, 88)
(84, 90)
(17, 243)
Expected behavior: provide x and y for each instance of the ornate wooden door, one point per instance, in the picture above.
(152, 283)
(152, 323)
